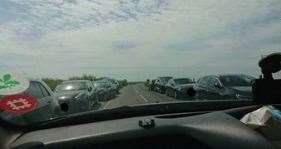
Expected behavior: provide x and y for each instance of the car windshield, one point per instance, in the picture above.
(99, 84)
(71, 86)
(183, 81)
(236, 80)
(165, 79)
(99, 55)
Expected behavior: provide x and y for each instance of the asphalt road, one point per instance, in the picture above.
(136, 94)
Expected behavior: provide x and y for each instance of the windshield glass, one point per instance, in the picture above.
(183, 81)
(236, 80)
(164, 79)
(71, 86)
(127, 51)
(99, 84)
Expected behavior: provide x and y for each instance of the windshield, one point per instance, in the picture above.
(183, 81)
(99, 84)
(95, 55)
(236, 80)
(71, 86)
(165, 79)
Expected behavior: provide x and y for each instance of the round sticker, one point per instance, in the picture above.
(18, 104)
(12, 83)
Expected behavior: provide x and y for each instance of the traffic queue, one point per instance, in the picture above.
(85, 95)
(211, 87)
(71, 96)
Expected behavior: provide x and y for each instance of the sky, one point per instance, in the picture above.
(137, 39)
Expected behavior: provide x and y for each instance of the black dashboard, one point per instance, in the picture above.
(218, 130)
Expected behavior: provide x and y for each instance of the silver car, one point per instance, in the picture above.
(76, 96)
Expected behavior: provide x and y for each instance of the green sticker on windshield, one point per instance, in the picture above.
(7, 82)
(11, 83)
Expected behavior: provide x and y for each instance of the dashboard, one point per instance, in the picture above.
(218, 130)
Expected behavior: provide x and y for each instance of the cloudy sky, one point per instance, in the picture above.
(137, 39)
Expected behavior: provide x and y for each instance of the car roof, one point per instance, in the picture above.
(101, 81)
(223, 75)
(180, 78)
(164, 77)
(35, 80)
(71, 81)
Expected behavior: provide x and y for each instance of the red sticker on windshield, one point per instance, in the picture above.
(18, 104)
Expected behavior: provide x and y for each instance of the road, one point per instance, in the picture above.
(136, 94)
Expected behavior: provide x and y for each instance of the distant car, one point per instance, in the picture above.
(178, 87)
(160, 84)
(47, 109)
(217, 87)
(113, 83)
(102, 90)
(151, 85)
(76, 96)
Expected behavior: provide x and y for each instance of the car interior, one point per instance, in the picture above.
(197, 129)
(148, 118)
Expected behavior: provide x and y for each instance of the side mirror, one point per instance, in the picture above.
(217, 85)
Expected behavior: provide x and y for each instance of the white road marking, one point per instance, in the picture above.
(107, 103)
(136, 90)
(143, 98)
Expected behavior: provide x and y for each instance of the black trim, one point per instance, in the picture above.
(139, 110)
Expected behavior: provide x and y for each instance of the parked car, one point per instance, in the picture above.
(47, 108)
(178, 87)
(123, 83)
(231, 86)
(76, 96)
(160, 84)
(113, 83)
(151, 85)
(102, 90)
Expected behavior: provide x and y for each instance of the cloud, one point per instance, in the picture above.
(138, 38)
(123, 46)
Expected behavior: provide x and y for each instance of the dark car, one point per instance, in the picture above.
(232, 86)
(151, 85)
(47, 109)
(76, 96)
(160, 84)
(102, 90)
(178, 88)
(114, 84)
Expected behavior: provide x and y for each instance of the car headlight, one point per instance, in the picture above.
(61, 97)
(238, 96)
(179, 88)
(78, 96)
